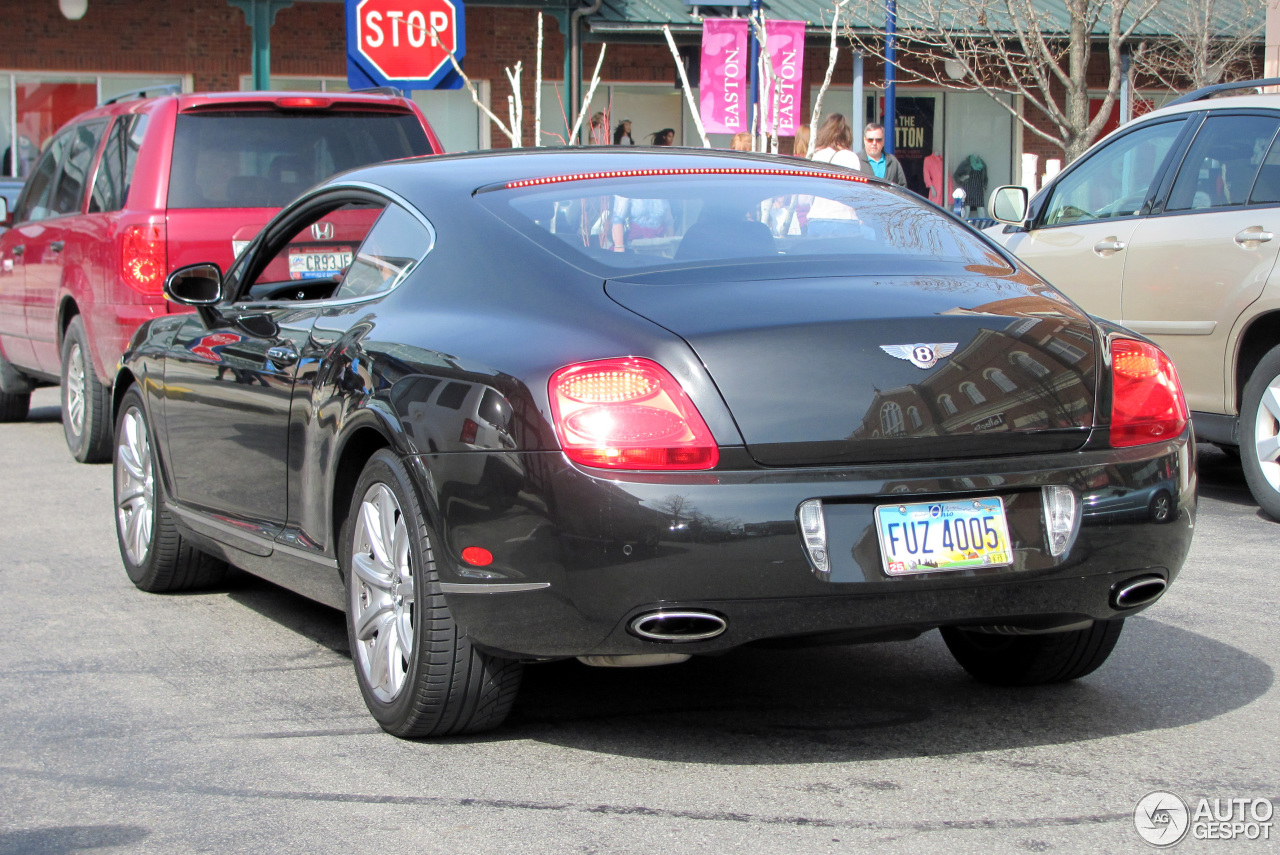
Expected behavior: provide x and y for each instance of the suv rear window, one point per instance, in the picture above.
(263, 160)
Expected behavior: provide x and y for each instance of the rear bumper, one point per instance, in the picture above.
(577, 556)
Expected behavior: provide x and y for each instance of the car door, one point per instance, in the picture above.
(1080, 234)
(230, 378)
(1197, 264)
(24, 248)
(58, 250)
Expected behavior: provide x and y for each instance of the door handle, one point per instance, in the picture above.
(282, 354)
(1108, 246)
(1254, 235)
(57, 245)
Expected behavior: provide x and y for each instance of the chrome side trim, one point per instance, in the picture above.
(1171, 327)
(308, 555)
(491, 587)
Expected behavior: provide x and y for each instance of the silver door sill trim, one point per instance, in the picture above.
(491, 587)
(1171, 327)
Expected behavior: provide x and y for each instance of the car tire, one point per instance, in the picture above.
(417, 669)
(156, 557)
(1160, 509)
(13, 407)
(86, 409)
(1260, 433)
(1033, 660)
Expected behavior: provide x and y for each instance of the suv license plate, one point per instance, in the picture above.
(933, 537)
(318, 265)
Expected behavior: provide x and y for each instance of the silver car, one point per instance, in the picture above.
(1168, 226)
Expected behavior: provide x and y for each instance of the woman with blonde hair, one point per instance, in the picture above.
(800, 146)
(741, 142)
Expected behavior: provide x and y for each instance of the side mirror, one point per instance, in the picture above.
(195, 285)
(4, 210)
(1009, 204)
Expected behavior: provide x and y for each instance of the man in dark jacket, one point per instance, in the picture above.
(878, 163)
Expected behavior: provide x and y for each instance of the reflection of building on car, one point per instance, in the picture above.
(1169, 226)
(135, 188)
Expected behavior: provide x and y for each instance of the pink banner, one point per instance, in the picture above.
(784, 42)
(724, 99)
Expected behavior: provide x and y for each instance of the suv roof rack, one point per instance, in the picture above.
(1210, 91)
(165, 89)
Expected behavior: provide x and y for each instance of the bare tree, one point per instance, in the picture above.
(1040, 51)
(1208, 42)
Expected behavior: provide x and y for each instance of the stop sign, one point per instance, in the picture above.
(391, 40)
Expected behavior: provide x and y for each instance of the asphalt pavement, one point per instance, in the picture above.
(230, 721)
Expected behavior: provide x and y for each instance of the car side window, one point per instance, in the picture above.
(115, 173)
(1221, 165)
(34, 203)
(1266, 187)
(394, 247)
(310, 264)
(68, 198)
(1115, 181)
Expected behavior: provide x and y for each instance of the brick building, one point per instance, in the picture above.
(51, 68)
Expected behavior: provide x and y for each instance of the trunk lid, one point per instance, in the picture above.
(818, 371)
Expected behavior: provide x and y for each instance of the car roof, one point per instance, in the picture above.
(1255, 101)
(196, 101)
(466, 173)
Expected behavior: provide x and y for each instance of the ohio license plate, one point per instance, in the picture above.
(932, 537)
(304, 264)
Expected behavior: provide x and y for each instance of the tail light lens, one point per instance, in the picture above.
(142, 258)
(1146, 399)
(628, 413)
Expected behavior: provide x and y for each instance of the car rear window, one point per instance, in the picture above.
(263, 160)
(653, 221)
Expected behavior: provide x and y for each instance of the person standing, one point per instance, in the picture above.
(833, 144)
(622, 133)
(800, 146)
(666, 136)
(879, 163)
(741, 142)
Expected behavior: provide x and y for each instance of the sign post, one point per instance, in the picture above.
(389, 43)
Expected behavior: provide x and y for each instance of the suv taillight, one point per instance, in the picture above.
(1146, 398)
(628, 413)
(142, 258)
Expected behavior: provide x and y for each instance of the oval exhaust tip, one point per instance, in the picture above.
(678, 626)
(1138, 592)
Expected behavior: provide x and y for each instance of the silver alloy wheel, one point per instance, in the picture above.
(383, 605)
(75, 390)
(135, 487)
(1266, 433)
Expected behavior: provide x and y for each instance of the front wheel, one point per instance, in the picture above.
(1260, 433)
(417, 669)
(86, 408)
(1033, 660)
(155, 556)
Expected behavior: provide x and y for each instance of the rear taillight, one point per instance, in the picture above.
(142, 258)
(1146, 398)
(628, 413)
(306, 102)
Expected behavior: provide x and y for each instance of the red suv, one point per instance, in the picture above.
(131, 190)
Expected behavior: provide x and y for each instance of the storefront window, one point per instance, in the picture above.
(34, 106)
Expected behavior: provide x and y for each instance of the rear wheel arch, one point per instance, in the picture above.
(355, 452)
(1262, 334)
(68, 310)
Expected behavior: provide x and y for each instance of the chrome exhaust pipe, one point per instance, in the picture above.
(1138, 591)
(677, 626)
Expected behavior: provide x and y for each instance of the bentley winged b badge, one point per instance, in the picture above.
(921, 355)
